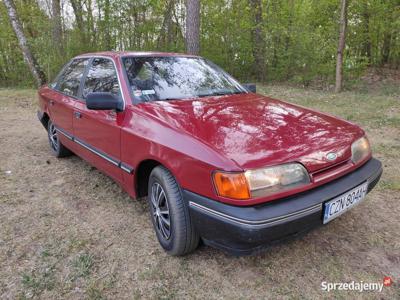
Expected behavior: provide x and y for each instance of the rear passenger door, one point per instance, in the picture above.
(61, 104)
(99, 131)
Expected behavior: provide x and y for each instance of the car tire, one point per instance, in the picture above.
(170, 214)
(57, 148)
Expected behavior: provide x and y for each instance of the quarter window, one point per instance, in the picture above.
(70, 80)
(101, 77)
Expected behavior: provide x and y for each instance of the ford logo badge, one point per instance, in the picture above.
(331, 156)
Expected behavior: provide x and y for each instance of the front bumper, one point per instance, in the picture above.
(246, 230)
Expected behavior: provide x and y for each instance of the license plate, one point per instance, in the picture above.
(344, 202)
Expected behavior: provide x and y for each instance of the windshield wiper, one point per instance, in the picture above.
(222, 93)
(171, 99)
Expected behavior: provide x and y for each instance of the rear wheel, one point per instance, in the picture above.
(57, 148)
(170, 214)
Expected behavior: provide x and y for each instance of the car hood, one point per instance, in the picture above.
(256, 131)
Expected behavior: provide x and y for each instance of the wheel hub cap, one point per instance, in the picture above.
(160, 210)
(53, 137)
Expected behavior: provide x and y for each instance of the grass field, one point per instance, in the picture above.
(68, 231)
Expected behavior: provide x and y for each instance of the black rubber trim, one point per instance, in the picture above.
(123, 166)
(275, 209)
(40, 115)
(244, 230)
(108, 158)
(261, 223)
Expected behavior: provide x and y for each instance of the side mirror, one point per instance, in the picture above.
(104, 101)
(251, 87)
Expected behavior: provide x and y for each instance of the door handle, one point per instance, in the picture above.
(77, 114)
(51, 102)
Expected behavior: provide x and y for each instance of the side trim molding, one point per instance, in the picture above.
(99, 153)
(126, 168)
(63, 132)
(123, 166)
(261, 223)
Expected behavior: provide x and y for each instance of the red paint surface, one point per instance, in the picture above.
(195, 137)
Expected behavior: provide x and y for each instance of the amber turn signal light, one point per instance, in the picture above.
(231, 185)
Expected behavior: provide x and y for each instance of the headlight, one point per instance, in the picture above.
(260, 182)
(263, 182)
(360, 149)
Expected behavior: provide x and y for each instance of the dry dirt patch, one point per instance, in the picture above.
(68, 231)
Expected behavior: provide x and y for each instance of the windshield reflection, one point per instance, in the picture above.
(176, 77)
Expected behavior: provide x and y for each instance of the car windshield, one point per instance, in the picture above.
(177, 77)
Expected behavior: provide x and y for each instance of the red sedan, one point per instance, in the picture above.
(217, 161)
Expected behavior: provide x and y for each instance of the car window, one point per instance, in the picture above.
(70, 80)
(102, 77)
(169, 78)
(53, 84)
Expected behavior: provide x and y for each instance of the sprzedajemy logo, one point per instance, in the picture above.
(359, 286)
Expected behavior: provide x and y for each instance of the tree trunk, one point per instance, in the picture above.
(341, 44)
(386, 48)
(57, 26)
(92, 36)
(107, 26)
(170, 24)
(34, 67)
(165, 38)
(77, 8)
(366, 46)
(258, 40)
(288, 42)
(193, 26)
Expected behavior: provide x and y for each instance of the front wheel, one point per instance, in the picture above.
(170, 214)
(57, 148)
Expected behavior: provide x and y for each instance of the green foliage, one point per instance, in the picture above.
(300, 35)
(37, 282)
(83, 265)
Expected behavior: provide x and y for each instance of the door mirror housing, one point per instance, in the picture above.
(104, 101)
(251, 87)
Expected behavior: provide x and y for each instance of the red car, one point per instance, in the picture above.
(217, 161)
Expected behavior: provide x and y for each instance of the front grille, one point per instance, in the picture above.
(332, 170)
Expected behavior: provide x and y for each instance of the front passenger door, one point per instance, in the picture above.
(99, 131)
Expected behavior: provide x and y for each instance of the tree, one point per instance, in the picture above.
(57, 26)
(165, 39)
(77, 8)
(193, 26)
(387, 35)
(366, 45)
(29, 58)
(258, 40)
(107, 23)
(341, 44)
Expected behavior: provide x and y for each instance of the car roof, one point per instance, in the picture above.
(115, 54)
